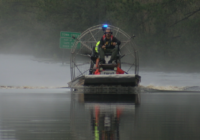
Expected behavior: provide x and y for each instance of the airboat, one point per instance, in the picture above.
(84, 58)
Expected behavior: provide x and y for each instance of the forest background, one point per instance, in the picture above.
(167, 31)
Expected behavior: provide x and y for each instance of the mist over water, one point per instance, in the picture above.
(29, 71)
(170, 80)
(20, 70)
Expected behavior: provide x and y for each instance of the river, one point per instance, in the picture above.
(35, 104)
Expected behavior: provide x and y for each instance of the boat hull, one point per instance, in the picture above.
(105, 81)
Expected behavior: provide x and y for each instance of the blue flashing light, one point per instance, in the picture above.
(105, 25)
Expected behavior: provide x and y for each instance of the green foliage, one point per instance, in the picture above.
(167, 31)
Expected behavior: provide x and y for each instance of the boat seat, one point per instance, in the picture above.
(108, 66)
(109, 54)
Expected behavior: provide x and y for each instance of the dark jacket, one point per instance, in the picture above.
(108, 42)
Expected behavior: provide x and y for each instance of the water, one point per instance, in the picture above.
(169, 106)
(61, 115)
(35, 116)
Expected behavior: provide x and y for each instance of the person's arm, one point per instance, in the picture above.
(101, 43)
(116, 41)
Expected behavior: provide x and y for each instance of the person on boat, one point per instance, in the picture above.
(108, 43)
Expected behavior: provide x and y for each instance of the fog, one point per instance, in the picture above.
(166, 31)
(170, 79)
(22, 70)
(31, 72)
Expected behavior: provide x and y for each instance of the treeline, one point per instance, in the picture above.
(167, 31)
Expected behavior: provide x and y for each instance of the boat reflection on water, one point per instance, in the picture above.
(111, 116)
(105, 119)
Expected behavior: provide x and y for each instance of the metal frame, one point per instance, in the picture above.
(91, 36)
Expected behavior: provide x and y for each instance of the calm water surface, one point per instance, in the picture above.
(61, 115)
